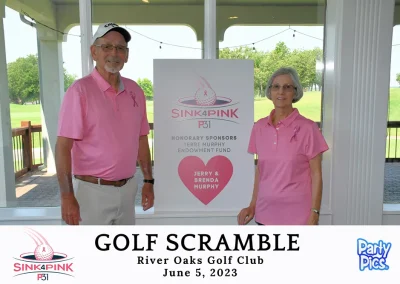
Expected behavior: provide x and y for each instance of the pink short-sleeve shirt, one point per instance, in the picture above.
(105, 126)
(284, 152)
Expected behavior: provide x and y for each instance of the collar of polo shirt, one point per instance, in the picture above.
(287, 121)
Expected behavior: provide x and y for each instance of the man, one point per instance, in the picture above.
(102, 132)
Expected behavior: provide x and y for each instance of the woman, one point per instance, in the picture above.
(288, 178)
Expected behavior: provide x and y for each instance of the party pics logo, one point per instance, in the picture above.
(373, 256)
(205, 104)
(43, 260)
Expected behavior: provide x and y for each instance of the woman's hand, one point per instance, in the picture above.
(246, 215)
(313, 219)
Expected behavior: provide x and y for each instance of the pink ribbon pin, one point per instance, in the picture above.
(294, 137)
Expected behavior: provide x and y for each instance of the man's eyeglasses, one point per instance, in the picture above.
(110, 48)
(286, 88)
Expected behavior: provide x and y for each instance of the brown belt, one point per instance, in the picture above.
(95, 180)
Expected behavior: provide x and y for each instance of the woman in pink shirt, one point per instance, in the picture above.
(288, 178)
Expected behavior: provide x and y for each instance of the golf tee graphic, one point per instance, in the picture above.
(205, 181)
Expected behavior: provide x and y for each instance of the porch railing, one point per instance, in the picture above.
(28, 149)
(393, 142)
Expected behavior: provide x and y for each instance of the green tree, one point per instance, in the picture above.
(305, 62)
(398, 78)
(237, 53)
(68, 80)
(319, 68)
(252, 54)
(23, 79)
(265, 63)
(147, 87)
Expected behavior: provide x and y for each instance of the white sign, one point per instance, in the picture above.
(203, 116)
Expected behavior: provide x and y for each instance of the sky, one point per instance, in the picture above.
(143, 50)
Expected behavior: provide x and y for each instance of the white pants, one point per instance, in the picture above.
(105, 204)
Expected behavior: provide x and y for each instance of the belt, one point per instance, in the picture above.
(95, 180)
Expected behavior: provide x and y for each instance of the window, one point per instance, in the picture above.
(154, 36)
(392, 166)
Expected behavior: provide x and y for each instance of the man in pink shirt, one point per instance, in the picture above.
(102, 132)
(288, 179)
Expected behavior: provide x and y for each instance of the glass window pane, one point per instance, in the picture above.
(392, 166)
(260, 31)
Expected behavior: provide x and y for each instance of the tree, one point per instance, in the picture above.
(265, 63)
(23, 79)
(147, 87)
(248, 53)
(398, 78)
(68, 80)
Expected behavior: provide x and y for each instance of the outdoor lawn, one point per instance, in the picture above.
(24, 112)
(309, 106)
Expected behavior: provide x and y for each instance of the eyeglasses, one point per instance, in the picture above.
(110, 48)
(286, 88)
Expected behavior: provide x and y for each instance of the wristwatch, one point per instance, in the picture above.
(149, 181)
(315, 210)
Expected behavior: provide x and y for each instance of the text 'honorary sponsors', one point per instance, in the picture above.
(206, 108)
(227, 265)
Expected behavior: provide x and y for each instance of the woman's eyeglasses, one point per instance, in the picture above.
(286, 88)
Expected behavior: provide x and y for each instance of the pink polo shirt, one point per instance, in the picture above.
(105, 126)
(284, 194)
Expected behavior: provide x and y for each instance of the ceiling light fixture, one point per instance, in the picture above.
(233, 17)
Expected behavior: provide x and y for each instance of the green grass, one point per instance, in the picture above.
(309, 106)
(394, 104)
(24, 112)
(150, 110)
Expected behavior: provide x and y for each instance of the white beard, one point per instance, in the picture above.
(113, 65)
(112, 69)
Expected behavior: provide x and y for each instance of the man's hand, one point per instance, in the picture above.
(313, 219)
(70, 209)
(246, 215)
(147, 196)
(144, 160)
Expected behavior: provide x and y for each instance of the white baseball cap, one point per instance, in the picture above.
(107, 27)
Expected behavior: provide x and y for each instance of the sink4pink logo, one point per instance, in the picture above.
(43, 260)
(206, 104)
(205, 181)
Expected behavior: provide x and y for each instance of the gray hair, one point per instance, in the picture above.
(295, 78)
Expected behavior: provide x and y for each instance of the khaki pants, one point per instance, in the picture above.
(105, 204)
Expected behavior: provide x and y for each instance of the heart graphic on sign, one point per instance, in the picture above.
(205, 182)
